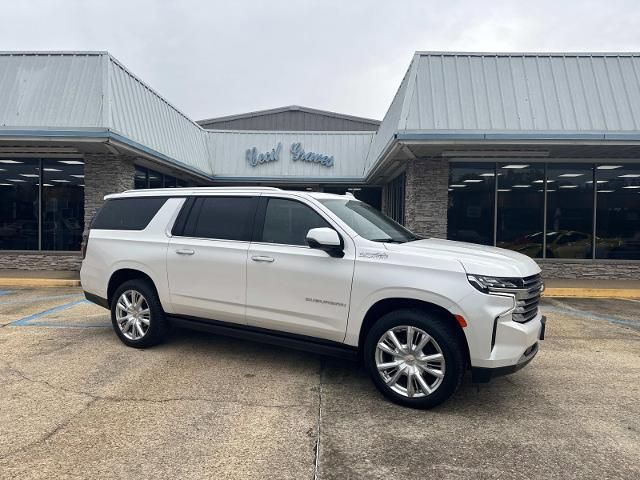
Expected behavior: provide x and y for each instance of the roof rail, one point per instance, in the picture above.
(178, 189)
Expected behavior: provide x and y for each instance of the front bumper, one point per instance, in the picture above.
(485, 374)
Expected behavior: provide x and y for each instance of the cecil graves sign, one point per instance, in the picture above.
(296, 151)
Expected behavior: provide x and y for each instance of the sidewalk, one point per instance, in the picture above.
(585, 288)
(39, 278)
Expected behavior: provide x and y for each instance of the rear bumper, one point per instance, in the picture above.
(485, 374)
(96, 299)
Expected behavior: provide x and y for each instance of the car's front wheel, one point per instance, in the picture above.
(137, 315)
(414, 358)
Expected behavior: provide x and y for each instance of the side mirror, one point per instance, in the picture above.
(326, 239)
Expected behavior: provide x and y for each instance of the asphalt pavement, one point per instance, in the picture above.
(76, 403)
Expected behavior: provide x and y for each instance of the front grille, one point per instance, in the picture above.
(527, 299)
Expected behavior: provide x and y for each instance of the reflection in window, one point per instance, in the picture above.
(62, 205)
(140, 179)
(569, 210)
(471, 202)
(618, 211)
(520, 208)
(19, 179)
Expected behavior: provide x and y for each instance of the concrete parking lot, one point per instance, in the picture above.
(76, 403)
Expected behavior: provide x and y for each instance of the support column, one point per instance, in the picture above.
(105, 174)
(427, 196)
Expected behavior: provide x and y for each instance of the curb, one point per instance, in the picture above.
(38, 282)
(592, 292)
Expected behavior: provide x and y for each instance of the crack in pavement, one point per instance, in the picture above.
(118, 399)
(316, 462)
(49, 434)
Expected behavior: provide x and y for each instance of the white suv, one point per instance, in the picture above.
(321, 272)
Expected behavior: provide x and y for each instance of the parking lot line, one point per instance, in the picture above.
(38, 299)
(26, 320)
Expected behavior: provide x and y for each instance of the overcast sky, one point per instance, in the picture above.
(212, 58)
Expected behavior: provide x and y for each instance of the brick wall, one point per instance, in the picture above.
(105, 174)
(592, 270)
(426, 196)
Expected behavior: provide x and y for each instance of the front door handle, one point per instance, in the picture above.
(262, 258)
(185, 251)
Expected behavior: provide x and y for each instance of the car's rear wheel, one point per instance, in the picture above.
(137, 315)
(414, 358)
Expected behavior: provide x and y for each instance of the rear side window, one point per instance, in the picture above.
(288, 222)
(222, 218)
(127, 213)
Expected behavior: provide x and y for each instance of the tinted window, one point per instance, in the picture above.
(569, 210)
(223, 218)
(618, 212)
(520, 208)
(288, 221)
(62, 205)
(19, 185)
(471, 202)
(127, 213)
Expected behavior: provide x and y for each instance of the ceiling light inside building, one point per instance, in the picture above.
(52, 170)
(630, 175)
(71, 162)
(542, 181)
(608, 167)
(515, 166)
(597, 181)
(78, 176)
(6, 185)
(521, 186)
(15, 180)
(571, 175)
(606, 191)
(632, 186)
(9, 161)
(60, 181)
(34, 175)
(473, 180)
(457, 186)
(568, 186)
(504, 189)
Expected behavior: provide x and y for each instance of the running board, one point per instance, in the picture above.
(263, 335)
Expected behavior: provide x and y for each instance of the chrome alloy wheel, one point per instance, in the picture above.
(410, 361)
(132, 315)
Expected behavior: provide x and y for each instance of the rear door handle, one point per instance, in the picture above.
(262, 258)
(185, 251)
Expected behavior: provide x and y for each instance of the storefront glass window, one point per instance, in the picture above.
(569, 210)
(19, 204)
(41, 217)
(140, 180)
(520, 208)
(618, 212)
(62, 205)
(155, 179)
(471, 202)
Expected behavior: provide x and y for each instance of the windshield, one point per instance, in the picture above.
(368, 222)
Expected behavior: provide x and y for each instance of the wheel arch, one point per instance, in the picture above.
(386, 305)
(118, 277)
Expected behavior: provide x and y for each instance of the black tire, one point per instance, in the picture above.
(158, 324)
(442, 331)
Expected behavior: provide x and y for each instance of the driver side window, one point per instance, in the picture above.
(288, 221)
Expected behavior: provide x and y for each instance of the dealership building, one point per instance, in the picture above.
(539, 153)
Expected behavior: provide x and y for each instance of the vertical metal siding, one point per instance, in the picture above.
(140, 114)
(51, 90)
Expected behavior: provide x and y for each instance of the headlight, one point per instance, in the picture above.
(486, 284)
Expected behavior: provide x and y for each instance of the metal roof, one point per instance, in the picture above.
(501, 96)
(217, 122)
(444, 97)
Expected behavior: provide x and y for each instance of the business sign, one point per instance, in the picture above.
(297, 152)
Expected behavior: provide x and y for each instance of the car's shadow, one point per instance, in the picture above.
(349, 380)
